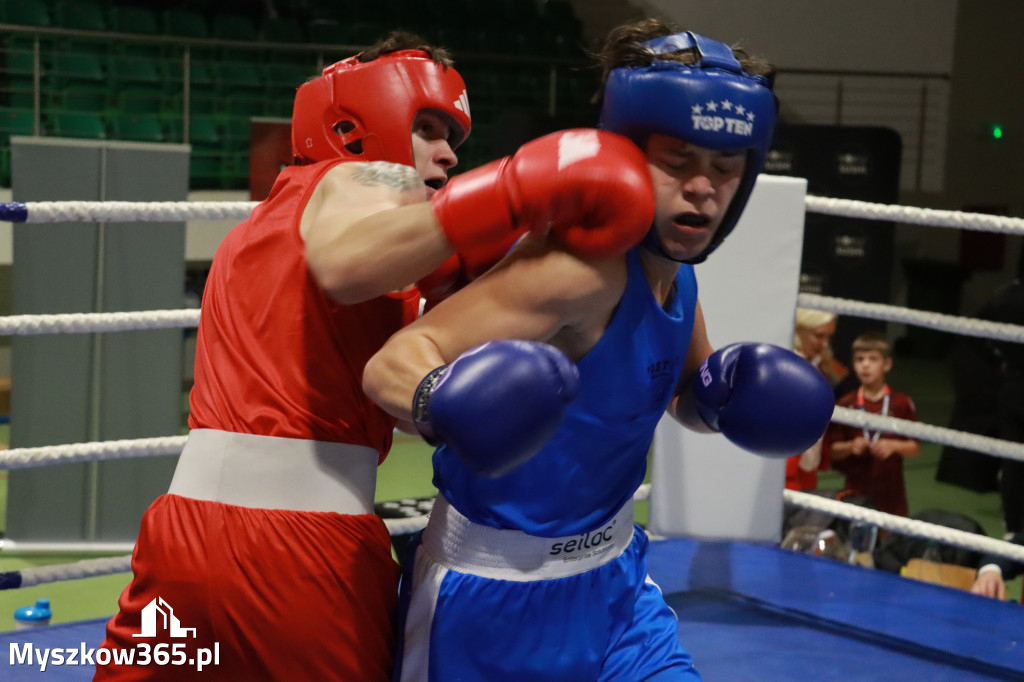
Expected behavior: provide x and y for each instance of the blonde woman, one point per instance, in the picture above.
(812, 337)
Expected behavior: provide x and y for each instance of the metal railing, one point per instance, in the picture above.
(913, 104)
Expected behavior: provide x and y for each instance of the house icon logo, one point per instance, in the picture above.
(159, 609)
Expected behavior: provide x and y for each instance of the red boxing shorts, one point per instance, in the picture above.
(236, 593)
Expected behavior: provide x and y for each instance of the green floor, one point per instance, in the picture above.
(407, 474)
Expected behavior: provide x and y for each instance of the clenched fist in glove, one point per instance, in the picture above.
(591, 188)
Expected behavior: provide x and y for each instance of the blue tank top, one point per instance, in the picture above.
(598, 457)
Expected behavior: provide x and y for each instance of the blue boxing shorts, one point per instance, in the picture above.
(480, 604)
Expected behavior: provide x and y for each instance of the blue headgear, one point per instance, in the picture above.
(712, 103)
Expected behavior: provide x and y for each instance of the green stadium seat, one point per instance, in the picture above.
(185, 23)
(282, 81)
(240, 77)
(77, 124)
(242, 87)
(134, 71)
(202, 73)
(235, 170)
(134, 19)
(204, 89)
(89, 98)
(233, 27)
(71, 68)
(288, 76)
(282, 30)
(204, 133)
(138, 85)
(96, 46)
(17, 81)
(137, 127)
(205, 171)
(27, 13)
(18, 60)
(12, 122)
(239, 106)
(15, 121)
(237, 132)
(19, 95)
(140, 101)
(173, 126)
(82, 15)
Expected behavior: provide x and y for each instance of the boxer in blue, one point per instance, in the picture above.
(542, 383)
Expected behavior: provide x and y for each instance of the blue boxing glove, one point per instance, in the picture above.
(765, 399)
(497, 404)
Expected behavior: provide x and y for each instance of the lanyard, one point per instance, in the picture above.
(873, 437)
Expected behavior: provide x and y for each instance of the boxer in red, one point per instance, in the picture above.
(265, 560)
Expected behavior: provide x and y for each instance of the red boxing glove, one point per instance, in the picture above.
(591, 188)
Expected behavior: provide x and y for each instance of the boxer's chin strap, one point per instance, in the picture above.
(652, 242)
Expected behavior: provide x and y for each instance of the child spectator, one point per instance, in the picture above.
(872, 460)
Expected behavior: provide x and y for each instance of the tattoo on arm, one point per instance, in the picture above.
(402, 178)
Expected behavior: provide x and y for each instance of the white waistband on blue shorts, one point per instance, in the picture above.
(266, 472)
(457, 543)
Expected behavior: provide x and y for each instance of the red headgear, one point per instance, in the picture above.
(364, 111)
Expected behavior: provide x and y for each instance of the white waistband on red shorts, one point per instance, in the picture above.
(266, 472)
(461, 545)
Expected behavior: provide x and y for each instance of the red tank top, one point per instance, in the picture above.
(275, 356)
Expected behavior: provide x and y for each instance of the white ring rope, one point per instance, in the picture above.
(83, 323)
(86, 568)
(904, 526)
(930, 433)
(124, 211)
(25, 458)
(981, 222)
(46, 455)
(964, 326)
(127, 211)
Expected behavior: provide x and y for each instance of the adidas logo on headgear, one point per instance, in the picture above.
(462, 103)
